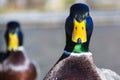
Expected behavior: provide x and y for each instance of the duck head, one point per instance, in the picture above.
(78, 28)
(13, 36)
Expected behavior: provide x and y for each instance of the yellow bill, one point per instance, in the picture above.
(79, 31)
(13, 42)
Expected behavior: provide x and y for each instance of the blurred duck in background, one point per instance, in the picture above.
(15, 64)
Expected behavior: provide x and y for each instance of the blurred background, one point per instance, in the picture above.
(43, 21)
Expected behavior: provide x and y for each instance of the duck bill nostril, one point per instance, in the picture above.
(79, 41)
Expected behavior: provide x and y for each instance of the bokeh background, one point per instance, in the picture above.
(43, 21)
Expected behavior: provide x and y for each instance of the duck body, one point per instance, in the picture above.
(17, 67)
(15, 64)
(74, 67)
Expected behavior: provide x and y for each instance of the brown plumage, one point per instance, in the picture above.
(74, 68)
(17, 59)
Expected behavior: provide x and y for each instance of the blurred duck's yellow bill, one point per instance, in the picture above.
(13, 42)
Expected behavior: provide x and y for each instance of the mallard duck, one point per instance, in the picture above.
(17, 65)
(76, 63)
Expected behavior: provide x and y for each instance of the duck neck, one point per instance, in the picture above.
(76, 48)
(80, 48)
